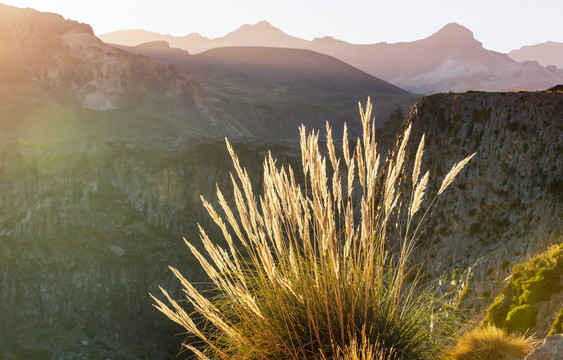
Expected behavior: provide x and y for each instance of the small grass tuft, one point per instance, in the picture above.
(490, 343)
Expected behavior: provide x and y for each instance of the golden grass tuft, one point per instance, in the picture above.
(311, 272)
(490, 343)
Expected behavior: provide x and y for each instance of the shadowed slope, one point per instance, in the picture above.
(269, 63)
(293, 65)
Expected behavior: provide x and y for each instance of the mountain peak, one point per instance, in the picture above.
(456, 36)
(258, 27)
(454, 30)
(260, 34)
(263, 24)
(43, 22)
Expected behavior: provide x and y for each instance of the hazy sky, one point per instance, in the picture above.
(501, 25)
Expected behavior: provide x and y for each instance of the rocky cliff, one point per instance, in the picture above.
(507, 204)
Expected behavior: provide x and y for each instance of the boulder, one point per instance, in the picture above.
(551, 348)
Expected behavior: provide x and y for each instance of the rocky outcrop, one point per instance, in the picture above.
(46, 60)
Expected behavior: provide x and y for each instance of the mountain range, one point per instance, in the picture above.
(449, 60)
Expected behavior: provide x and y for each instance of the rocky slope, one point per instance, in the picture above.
(65, 60)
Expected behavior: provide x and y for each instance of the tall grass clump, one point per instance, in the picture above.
(490, 343)
(308, 271)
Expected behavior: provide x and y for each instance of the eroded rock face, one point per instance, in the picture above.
(551, 348)
(506, 205)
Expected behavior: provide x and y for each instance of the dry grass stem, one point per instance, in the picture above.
(453, 173)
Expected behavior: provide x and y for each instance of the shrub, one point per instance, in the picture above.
(540, 287)
(490, 343)
(312, 280)
(522, 318)
(496, 315)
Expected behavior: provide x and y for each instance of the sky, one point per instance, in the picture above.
(501, 25)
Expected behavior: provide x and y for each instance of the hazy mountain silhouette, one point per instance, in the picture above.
(548, 53)
(159, 50)
(449, 60)
(453, 60)
(259, 34)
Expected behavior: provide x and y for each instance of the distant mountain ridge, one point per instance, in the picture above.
(159, 50)
(546, 54)
(259, 34)
(449, 60)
